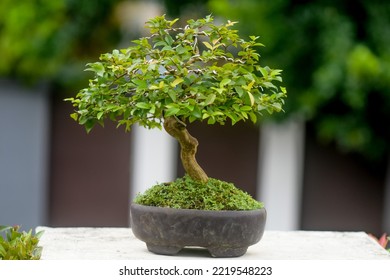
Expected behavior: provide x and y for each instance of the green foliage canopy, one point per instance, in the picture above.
(202, 71)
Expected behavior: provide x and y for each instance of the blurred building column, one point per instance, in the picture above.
(280, 173)
(154, 159)
(24, 114)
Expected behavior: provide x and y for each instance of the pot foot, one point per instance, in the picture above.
(227, 252)
(163, 250)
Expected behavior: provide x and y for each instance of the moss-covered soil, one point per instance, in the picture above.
(186, 193)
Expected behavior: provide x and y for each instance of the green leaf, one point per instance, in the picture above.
(99, 115)
(234, 118)
(181, 50)
(210, 99)
(89, 124)
(253, 117)
(143, 105)
(74, 116)
(191, 119)
(207, 44)
(244, 114)
(249, 86)
(239, 90)
(96, 67)
(246, 108)
(269, 85)
(196, 112)
(167, 48)
(264, 72)
(39, 234)
(142, 84)
(172, 22)
(152, 109)
(4, 228)
(219, 90)
(159, 44)
(177, 81)
(153, 87)
(171, 111)
(249, 98)
(211, 120)
(277, 107)
(172, 95)
(224, 82)
(169, 40)
(2, 252)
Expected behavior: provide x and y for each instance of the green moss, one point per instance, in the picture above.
(186, 193)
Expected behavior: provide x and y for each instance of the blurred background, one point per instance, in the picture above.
(323, 164)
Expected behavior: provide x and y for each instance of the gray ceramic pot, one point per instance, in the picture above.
(223, 233)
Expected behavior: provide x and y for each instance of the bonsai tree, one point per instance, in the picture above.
(178, 75)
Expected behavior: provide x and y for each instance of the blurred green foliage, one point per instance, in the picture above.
(336, 60)
(46, 39)
(177, 8)
(19, 245)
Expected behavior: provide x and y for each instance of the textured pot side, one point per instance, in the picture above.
(223, 233)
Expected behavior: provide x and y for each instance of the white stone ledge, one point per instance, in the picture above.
(120, 244)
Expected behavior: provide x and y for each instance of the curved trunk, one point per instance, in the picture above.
(188, 148)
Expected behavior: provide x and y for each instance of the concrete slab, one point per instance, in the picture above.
(120, 244)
